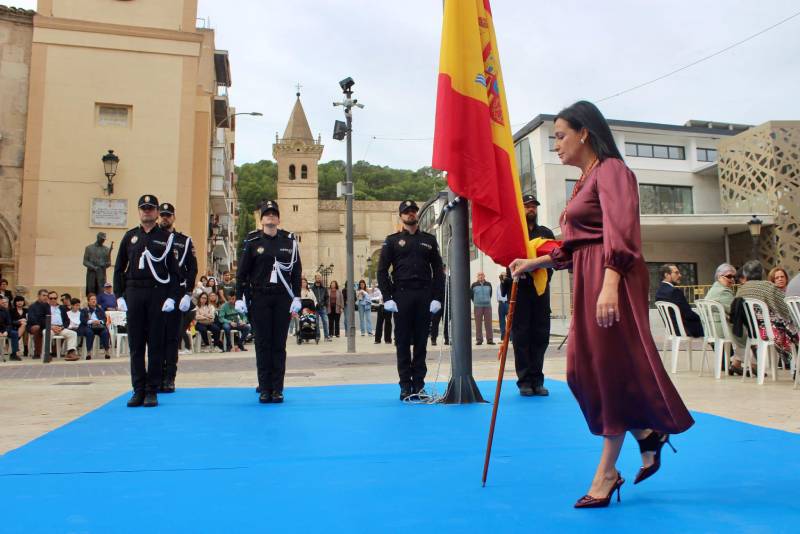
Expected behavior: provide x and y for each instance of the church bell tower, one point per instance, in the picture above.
(297, 155)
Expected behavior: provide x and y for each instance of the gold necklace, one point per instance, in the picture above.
(577, 188)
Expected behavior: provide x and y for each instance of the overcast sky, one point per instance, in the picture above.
(552, 53)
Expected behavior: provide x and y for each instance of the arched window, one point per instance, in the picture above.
(292, 175)
(304, 172)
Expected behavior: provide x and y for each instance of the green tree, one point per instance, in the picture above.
(255, 183)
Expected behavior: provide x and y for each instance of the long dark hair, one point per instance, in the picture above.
(584, 114)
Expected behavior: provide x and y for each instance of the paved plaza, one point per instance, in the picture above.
(37, 398)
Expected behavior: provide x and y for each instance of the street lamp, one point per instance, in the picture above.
(251, 113)
(754, 226)
(110, 162)
(369, 270)
(341, 131)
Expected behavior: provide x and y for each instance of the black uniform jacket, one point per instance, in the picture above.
(415, 261)
(258, 257)
(126, 269)
(187, 261)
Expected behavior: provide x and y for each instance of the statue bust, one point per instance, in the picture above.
(96, 259)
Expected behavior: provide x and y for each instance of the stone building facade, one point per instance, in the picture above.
(16, 35)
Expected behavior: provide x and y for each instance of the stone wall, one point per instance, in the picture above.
(16, 36)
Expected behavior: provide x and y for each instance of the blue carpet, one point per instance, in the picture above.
(353, 458)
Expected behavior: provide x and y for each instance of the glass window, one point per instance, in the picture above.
(292, 174)
(644, 151)
(706, 154)
(665, 200)
(660, 151)
(630, 149)
(676, 152)
(551, 144)
(304, 172)
(527, 180)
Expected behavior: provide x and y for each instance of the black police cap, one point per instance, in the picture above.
(530, 199)
(408, 205)
(166, 207)
(270, 205)
(148, 200)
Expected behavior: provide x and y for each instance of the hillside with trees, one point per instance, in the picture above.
(257, 181)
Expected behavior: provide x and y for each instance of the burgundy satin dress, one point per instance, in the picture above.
(615, 373)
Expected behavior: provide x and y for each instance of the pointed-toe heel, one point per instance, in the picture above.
(587, 501)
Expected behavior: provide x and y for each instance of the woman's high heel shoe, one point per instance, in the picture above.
(652, 443)
(587, 501)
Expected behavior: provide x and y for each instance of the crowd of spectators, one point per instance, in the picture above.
(730, 288)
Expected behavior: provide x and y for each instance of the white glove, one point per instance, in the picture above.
(186, 303)
(435, 306)
(121, 304)
(296, 305)
(390, 306)
(241, 307)
(168, 306)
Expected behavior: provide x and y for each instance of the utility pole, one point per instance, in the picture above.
(340, 130)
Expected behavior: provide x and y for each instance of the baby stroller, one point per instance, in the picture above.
(307, 328)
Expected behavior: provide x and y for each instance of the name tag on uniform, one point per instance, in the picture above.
(426, 245)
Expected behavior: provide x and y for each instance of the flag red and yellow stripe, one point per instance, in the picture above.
(473, 140)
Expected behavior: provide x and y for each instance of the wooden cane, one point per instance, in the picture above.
(502, 355)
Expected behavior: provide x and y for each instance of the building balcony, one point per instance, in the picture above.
(221, 111)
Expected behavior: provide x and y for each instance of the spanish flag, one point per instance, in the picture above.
(473, 141)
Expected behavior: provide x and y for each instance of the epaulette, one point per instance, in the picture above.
(285, 233)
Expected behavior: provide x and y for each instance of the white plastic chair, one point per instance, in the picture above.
(719, 333)
(707, 339)
(58, 341)
(118, 318)
(667, 311)
(765, 348)
(794, 308)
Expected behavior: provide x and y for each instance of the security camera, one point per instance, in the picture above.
(347, 84)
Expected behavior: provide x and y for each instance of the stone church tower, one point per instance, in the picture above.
(297, 155)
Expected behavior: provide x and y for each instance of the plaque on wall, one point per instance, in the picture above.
(109, 213)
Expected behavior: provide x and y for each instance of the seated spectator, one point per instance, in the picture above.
(19, 318)
(107, 300)
(59, 323)
(779, 278)
(93, 323)
(211, 285)
(670, 276)
(784, 329)
(74, 317)
(5, 291)
(231, 320)
(793, 289)
(37, 321)
(206, 317)
(66, 302)
(7, 329)
(201, 287)
(722, 291)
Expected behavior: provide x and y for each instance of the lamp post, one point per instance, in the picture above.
(754, 226)
(369, 270)
(229, 117)
(110, 162)
(340, 131)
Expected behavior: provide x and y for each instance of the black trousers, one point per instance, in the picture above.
(333, 324)
(530, 335)
(172, 343)
(147, 329)
(412, 324)
(383, 328)
(269, 316)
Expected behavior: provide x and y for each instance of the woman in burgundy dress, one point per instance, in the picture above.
(613, 367)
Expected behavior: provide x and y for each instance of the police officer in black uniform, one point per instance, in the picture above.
(531, 327)
(147, 286)
(268, 284)
(183, 248)
(414, 291)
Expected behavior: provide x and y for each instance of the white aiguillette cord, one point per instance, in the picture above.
(278, 267)
(150, 259)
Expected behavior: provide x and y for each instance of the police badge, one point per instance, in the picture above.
(402, 242)
(260, 250)
(134, 239)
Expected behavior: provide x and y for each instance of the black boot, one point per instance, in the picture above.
(277, 397)
(136, 400)
(150, 399)
(265, 397)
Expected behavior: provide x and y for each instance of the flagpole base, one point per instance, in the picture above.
(462, 390)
